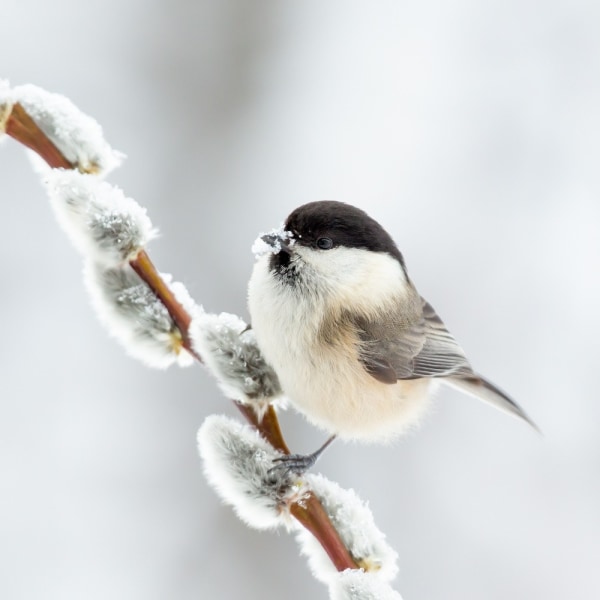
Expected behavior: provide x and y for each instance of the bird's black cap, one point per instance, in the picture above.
(344, 224)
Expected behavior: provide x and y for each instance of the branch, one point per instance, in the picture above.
(21, 127)
(311, 514)
(19, 124)
(147, 272)
(238, 464)
(268, 425)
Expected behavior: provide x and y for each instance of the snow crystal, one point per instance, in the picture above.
(229, 350)
(100, 220)
(354, 521)
(76, 135)
(355, 584)
(237, 464)
(134, 316)
(271, 242)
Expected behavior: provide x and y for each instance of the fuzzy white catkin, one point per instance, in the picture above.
(237, 464)
(229, 350)
(354, 521)
(358, 585)
(135, 317)
(76, 135)
(102, 223)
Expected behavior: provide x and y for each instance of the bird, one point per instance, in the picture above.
(358, 351)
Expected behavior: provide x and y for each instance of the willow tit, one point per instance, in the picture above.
(356, 348)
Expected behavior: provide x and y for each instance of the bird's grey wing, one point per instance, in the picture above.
(425, 348)
(440, 356)
(421, 347)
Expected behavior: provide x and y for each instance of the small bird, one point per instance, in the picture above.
(357, 350)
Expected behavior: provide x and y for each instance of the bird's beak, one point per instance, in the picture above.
(278, 243)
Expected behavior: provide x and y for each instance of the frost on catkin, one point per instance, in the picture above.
(101, 222)
(229, 350)
(78, 137)
(358, 585)
(134, 316)
(237, 464)
(354, 521)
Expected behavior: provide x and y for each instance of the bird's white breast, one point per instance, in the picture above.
(323, 378)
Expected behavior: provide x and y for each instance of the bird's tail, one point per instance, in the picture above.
(484, 390)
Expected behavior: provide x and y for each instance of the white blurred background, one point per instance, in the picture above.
(470, 129)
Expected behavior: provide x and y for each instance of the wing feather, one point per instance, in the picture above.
(425, 348)
(421, 348)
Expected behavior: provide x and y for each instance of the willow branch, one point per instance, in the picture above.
(268, 425)
(309, 511)
(21, 127)
(148, 273)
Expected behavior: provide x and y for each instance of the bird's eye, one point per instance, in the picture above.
(325, 243)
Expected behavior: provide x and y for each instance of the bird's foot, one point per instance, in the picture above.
(293, 464)
(297, 464)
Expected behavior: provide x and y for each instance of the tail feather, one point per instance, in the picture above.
(485, 390)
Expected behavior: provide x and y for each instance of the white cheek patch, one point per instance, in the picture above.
(355, 277)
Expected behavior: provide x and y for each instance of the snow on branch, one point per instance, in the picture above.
(135, 317)
(78, 137)
(110, 231)
(238, 464)
(355, 584)
(354, 522)
(228, 348)
(100, 220)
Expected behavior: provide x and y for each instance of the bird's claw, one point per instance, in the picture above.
(293, 464)
(297, 464)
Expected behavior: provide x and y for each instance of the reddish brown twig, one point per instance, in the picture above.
(268, 426)
(22, 128)
(147, 272)
(308, 510)
(310, 513)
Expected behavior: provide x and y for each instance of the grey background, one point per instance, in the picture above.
(470, 129)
